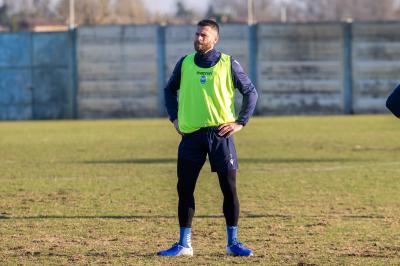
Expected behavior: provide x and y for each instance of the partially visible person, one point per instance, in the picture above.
(393, 102)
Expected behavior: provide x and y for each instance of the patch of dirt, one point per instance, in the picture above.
(32, 253)
(97, 254)
(377, 252)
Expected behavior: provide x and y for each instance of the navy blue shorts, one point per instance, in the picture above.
(220, 150)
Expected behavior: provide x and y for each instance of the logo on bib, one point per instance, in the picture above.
(203, 79)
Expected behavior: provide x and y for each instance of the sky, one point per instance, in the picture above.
(168, 6)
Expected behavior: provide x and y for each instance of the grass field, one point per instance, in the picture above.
(313, 190)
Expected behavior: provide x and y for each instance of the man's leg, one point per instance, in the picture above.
(227, 181)
(188, 172)
(223, 160)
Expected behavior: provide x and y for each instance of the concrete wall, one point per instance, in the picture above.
(117, 66)
(300, 69)
(117, 71)
(322, 68)
(376, 65)
(120, 71)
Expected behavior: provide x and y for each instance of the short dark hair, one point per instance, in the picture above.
(210, 23)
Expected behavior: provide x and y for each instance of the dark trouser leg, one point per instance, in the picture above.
(227, 181)
(188, 172)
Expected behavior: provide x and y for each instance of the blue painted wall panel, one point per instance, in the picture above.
(15, 49)
(50, 87)
(15, 94)
(14, 86)
(50, 49)
(15, 112)
(34, 75)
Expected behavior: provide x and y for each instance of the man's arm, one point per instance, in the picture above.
(242, 82)
(393, 102)
(171, 92)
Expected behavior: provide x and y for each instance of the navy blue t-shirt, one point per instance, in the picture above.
(240, 80)
(393, 102)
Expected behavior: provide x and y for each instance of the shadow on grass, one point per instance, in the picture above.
(241, 160)
(134, 161)
(182, 259)
(155, 217)
(149, 217)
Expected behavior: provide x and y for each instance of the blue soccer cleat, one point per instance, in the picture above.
(176, 250)
(238, 249)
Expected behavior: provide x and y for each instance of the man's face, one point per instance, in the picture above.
(205, 39)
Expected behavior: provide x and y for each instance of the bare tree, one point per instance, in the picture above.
(130, 11)
(88, 12)
(236, 10)
(311, 10)
(93, 12)
(359, 10)
(19, 14)
(16, 14)
(183, 14)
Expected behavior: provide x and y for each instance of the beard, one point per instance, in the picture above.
(202, 47)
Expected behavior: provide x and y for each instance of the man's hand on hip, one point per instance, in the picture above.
(227, 130)
(176, 126)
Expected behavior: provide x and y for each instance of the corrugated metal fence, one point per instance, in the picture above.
(37, 75)
(120, 71)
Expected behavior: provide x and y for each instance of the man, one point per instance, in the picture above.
(205, 117)
(393, 102)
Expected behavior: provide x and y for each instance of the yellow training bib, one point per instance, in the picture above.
(206, 95)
